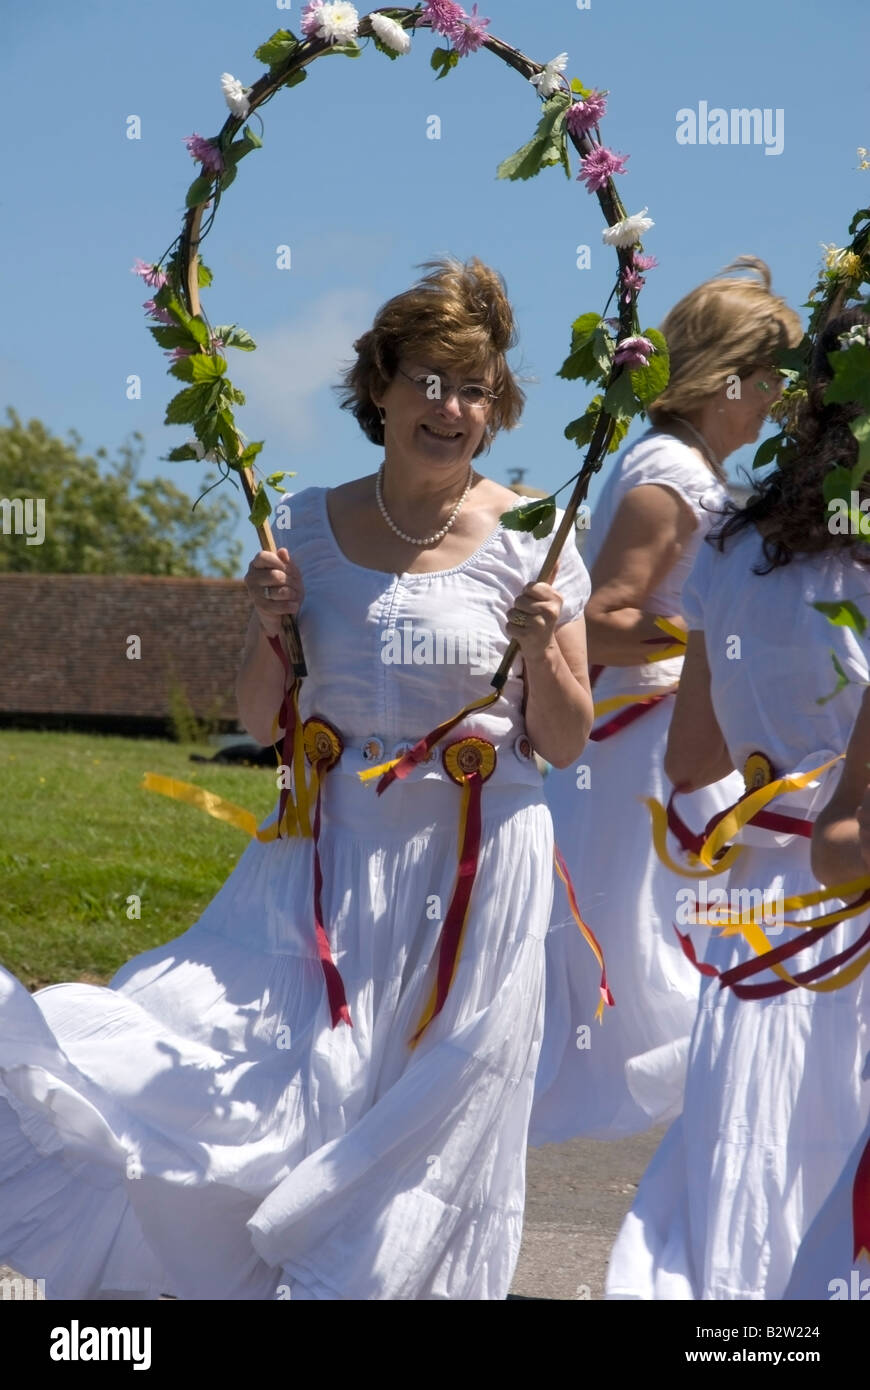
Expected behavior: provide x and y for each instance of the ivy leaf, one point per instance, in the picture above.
(169, 337)
(582, 429)
(529, 516)
(837, 483)
(649, 382)
(250, 453)
(275, 480)
(261, 508)
(619, 398)
(200, 190)
(794, 359)
(842, 682)
(582, 361)
(851, 377)
(207, 367)
(181, 454)
(198, 329)
(183, 368)
(547, 145)
(350, 50)
(187, 407)
(385, 48)
(232, 336)
(204, 276)
(443, 59)
(239, 148)
(295, 78)
(843, 613)
(861, 430)
(545, 525)
(579, 90)
(603, 348)
(862, 215)
(228, 176)
(768, 451)
(277, 49)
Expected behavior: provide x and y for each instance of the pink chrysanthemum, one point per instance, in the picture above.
(598, 166)
(151, 274)
(633, 352)
(584, 115)
(644, 262)
(208, 154)
(469, 33)
(310, 22)
(155, 312)
(443, 16)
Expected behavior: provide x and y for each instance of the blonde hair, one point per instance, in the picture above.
(456, 317)
(725, 327)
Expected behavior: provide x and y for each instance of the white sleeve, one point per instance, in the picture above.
(571, 581)
(693, 599)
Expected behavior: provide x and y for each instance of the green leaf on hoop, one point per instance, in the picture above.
(842, 682)
(191, 403)
(199, 331)
(204, 276)
(239, 148)
(350, 50)
(181, 454)
(579, 90)
(619, 398)
(169, 337)
(261, 508)
(228, 176)
(837, 483)
(546, 147)
(200, 190)
(295, 78)
(649, 382)
(384, 47)
(276, 50)
(862, 215)
(250, 453)
(236, 396)
(583, 359)
(207, 367)
(232, 336)
(861, 430)
(582, 429)
(768, 451)
(851, 381)
(276, 480)
(531, 516)
(843, 613)
(442, 60)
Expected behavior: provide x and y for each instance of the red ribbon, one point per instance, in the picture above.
(287, 721)
(691, 842)
(861, 1206)
(627, 716)
(338, 1006)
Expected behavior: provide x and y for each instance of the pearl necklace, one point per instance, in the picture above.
(415, 540)
(698, 435)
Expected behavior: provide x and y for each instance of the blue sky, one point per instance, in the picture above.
(348, 179)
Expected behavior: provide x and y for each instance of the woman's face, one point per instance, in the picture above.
(746, 413)
(427, 419)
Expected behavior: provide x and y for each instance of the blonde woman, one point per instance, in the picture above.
(775, 1097)
(662, 496)
(327, 1094)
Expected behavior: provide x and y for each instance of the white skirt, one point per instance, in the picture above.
(626, 1075)
(199, 1128)
(774, 1103)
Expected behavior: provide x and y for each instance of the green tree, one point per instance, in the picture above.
(101, 518)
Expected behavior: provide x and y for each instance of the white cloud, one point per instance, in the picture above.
(295, 362)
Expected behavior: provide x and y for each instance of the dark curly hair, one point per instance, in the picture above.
(788, 505)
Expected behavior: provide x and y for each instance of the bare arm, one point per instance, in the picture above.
(260, 682)
(558, 697)
(649, 531)
(696, 753)
(841, 835)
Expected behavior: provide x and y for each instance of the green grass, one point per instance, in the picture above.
(78, 835)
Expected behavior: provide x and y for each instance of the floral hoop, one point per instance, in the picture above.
(630, 367)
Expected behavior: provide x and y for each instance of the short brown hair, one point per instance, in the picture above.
(457, 316)
(726, 327)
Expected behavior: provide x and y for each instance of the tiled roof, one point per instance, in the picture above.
(64, 643)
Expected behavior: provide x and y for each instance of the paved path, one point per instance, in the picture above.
(576, 1197)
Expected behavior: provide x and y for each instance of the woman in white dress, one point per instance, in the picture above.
(241, 1114)
(834, 1258)
(774, 1098)
(655, 508)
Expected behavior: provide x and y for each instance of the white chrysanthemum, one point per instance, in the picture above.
(234, 95)
(628, 231)
(338, 22)
(547, 82)
(391, 33)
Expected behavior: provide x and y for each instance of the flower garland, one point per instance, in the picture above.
(629, 366)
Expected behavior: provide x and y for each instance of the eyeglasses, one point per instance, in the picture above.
(435, 388)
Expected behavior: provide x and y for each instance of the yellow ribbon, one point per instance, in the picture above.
(659, 817)
(211, 803)
(679, 636)
(614, 702)
(742, 813)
